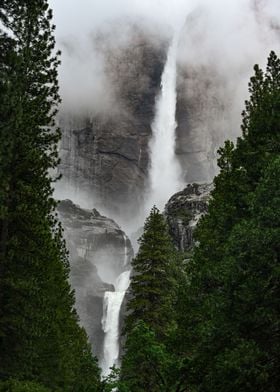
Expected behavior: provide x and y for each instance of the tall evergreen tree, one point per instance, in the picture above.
(230, 328)
(148, 363)
(152, 285)
(39, 336)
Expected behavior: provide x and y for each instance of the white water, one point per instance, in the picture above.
(165, 172)
(110, 322)
(165, 180)
(126, 255)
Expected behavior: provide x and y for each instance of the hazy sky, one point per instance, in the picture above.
(229, 24)
(75, 16)
(228, 35)
(236, 33)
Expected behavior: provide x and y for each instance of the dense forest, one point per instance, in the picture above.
(40, 340)
(204, 321)
(209, 321)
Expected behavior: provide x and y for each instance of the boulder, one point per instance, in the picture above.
(184, 210)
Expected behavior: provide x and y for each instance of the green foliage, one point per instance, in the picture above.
(223, 329)
(182, 213)
(21, 386)
(112, 381)
(229, 331)
(147, 365)
(40, 338)
(152, 284)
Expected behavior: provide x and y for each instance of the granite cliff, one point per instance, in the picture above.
(183, 211)
(107, 154)
(98, 251)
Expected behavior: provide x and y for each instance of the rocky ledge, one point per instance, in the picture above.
(183, 211)
(98, 251)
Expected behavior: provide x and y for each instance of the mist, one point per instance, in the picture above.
(220, 41)
(232, 35)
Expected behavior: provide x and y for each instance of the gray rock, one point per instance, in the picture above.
(99, 251)
(184, 210)
(204, 110)
(107, 154)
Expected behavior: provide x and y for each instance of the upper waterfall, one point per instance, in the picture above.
(165, 172)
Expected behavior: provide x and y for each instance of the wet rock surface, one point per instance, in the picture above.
(98, 251)
(205, 103)
(107, 153)
(184, 210)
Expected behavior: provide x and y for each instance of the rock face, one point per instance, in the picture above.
(205, 102)
(107, 154)
(99, 252)
(183, 211)
(201, 119)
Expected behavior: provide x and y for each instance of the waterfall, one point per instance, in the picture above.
(126, 255)
(110, 322)
(165, 172)
(165, 179)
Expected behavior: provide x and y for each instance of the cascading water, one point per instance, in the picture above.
(126, 255)
(165, 172)
(110, 322)
(111, 315)
(165, 179)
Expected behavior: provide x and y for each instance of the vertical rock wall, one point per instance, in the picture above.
(106, 154)
(183, 211)
(99, 252)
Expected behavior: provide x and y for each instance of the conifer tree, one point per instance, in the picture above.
(229, 330)
(152, 285)
(148, 363)
(40, 339)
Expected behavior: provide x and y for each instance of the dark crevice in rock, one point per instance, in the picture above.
(118, 154)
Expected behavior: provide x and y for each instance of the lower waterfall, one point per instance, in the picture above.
(110, 322)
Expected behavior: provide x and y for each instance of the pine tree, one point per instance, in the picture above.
(260, 139)
(252, 285)
(148, 363)
(40, 338)
(21, 386)
(152, 285)
(229, 332)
